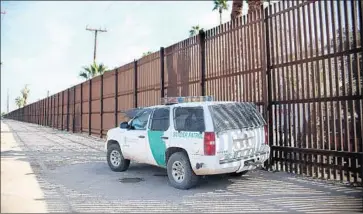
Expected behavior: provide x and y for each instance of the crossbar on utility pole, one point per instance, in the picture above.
(95, 45)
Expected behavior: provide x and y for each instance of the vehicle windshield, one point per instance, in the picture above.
(131, 113)
(231, 116)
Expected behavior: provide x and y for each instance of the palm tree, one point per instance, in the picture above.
(220, 5)
(25, 94)
(195, 30)
(255, 4)
(146, 53)
(93, 70)
(237, 7)
(19, 101)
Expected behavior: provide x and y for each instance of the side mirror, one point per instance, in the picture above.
(124, 125)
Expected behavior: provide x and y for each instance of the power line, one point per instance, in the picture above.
(95, 45)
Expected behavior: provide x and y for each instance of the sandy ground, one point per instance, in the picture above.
(20, 190)
(56, 171)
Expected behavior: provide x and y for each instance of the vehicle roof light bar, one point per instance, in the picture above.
(189, 99)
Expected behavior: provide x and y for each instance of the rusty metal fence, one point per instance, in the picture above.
(299, 61)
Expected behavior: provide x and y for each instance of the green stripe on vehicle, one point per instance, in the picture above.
(157, 146)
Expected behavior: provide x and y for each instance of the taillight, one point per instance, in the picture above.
(209, 143)
(266, 134)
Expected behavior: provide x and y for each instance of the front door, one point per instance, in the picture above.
(158, 135)
(136, 137)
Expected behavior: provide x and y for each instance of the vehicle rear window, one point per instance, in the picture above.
(189, 119)
(229, 116)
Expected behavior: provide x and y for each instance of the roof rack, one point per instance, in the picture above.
(189, 99)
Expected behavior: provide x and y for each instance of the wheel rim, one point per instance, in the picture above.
(115, 158)
(178, 171)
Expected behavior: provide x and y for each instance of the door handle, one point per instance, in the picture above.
(165, 138)
(141, 136)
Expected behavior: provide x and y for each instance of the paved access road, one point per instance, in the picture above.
(55, 171)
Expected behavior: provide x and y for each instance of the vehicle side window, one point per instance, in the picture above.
(160, 119)
(189, 119)
(140, 121)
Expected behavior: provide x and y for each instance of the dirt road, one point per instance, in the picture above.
(56, 171)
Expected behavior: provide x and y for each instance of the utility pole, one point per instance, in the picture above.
(7, 103)
(3, 13)
(95, 45)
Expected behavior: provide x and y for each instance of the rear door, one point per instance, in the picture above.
(188, 129)
(239, 128)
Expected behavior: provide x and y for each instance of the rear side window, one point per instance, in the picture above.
(229, 116)
(189, 119)
(160, 119)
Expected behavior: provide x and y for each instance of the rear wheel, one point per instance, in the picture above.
(180, 172)
(116, 160)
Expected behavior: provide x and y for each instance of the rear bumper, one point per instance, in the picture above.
(210, 165)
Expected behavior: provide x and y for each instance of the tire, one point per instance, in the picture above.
(123, 164)
(181, 160)
(238, 174)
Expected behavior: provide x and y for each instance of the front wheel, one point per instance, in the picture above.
(180, 172)
(116, 160)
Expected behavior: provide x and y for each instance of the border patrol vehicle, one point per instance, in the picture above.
(191, 137)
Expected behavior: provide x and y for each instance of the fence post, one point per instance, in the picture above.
(89, 107)
(74, 109)
(53, 120)
(48, 110)
(43, 113)
(51, 111)
(202, 60)
(268, 76)
(135, 83)
(101, 107)
(162, 74)
(58, 111)
(40, 112)
(62, 108)
(116, 96)
(81, 107)
(68, 110)
(42, 118)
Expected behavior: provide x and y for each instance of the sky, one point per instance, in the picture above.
(45, 44)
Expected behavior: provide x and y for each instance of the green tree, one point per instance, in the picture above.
(220, 5)
(93, 70)
(195, 30)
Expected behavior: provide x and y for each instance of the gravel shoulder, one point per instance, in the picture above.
(18, 181)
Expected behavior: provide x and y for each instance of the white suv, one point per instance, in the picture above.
(191, 139)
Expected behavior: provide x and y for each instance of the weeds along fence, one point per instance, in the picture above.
(299, 61)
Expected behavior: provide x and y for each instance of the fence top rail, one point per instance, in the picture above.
(180, 46)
